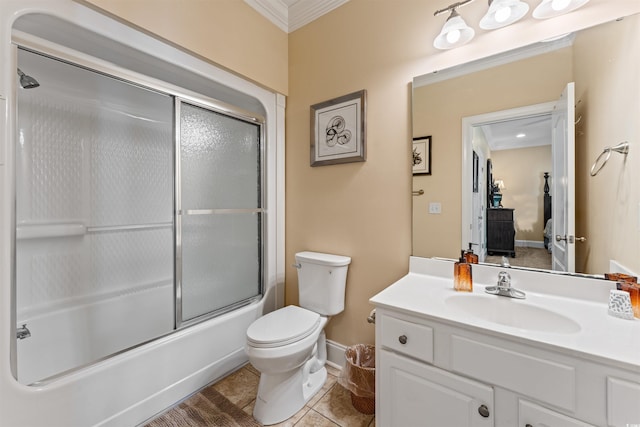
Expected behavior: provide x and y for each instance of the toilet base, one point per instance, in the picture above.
(280, 396)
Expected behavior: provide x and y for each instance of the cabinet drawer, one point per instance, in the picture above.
(545, 380)
(500, 214)
(532, 415)
(408, 338)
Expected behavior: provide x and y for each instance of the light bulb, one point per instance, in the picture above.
(503, 14)
(453, 36)
(558, 5)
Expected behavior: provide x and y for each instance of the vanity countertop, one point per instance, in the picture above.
(427, 291)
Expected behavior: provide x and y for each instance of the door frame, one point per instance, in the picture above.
(468, 123)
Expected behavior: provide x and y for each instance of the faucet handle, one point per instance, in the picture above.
(504, 279)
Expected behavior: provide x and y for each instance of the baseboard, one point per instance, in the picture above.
(335, 354)
(530, 244)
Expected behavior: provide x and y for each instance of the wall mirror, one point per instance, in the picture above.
(491, 125)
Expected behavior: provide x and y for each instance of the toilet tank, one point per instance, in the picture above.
(321, 281)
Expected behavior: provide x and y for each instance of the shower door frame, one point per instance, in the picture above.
(239, 114)
(56, 52)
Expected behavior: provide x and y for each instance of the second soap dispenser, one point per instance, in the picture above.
(462, 277)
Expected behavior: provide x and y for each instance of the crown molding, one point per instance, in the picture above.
(289, 15)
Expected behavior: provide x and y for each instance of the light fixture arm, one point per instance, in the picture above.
(453, 6)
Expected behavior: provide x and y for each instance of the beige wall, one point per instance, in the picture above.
(608, 205)
(438, 110)
(228, 33)
(522, 171)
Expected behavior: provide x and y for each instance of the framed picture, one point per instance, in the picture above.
(338, 130)
(422, 155)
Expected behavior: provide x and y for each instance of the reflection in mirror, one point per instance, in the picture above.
(603, 62)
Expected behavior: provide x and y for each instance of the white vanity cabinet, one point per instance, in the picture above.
(439, 373)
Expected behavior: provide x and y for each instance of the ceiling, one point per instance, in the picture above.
(289, 15)
(533, 130)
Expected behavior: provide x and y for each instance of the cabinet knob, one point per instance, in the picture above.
(484, 411)
(402, 339)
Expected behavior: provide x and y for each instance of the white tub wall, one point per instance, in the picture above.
(131, 387)
(74, 336)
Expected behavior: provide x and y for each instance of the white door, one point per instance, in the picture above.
(563, 181)
(479, 207)
(413, 394)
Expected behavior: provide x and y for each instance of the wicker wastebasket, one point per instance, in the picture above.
(359, 377)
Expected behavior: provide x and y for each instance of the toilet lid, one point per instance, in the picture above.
(282, 327)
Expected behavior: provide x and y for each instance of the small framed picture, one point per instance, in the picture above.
(422, 155)
(338, 130)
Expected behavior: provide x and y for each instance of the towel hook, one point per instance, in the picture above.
(622, 148)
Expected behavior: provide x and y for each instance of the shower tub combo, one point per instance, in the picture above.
(139, 224)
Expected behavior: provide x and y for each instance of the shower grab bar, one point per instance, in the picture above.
(622, 148)
(43, 231)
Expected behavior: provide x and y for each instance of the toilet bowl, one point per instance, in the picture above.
(288, 346)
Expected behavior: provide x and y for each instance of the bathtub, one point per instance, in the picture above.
(67, 337)
(131, 387)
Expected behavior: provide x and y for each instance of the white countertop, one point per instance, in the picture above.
(429, 285)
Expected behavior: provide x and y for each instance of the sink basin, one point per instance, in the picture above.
(514, 313)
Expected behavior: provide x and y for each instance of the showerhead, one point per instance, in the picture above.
(27, 82)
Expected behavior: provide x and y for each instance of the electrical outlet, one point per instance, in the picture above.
(435, 208)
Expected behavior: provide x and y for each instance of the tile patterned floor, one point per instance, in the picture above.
(331, 407)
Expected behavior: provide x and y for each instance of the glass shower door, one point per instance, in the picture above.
(219, 211)
(94, 225)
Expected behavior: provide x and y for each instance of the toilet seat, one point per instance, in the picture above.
(282, 327)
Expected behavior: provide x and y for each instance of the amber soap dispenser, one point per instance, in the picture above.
(462, 279)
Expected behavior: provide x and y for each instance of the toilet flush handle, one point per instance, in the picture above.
(298, 266)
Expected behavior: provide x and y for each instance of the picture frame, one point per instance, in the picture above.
(421, 156)
(338, 130)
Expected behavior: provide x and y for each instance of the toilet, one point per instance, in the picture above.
(288, 345)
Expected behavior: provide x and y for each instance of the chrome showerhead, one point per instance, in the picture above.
(27, 82)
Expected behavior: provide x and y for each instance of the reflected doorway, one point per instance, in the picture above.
(517, 143)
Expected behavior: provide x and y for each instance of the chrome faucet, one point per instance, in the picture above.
(503, 287)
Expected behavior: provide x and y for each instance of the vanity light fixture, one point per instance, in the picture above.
(455, 31)
(552, 8)
(502, 13)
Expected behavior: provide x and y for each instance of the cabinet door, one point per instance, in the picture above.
(414, 394)
(532, 415)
